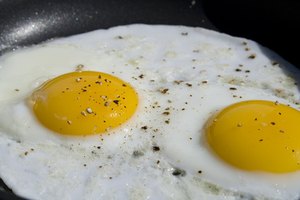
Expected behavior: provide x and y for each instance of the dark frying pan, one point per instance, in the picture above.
(273, 23)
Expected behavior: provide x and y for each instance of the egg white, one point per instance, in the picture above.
(182, 76)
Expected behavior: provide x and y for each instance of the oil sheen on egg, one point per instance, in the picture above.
(140, 112)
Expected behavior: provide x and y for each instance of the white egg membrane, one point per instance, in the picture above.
(182, 75)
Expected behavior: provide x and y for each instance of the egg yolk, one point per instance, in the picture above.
(84, 103)
(257, 135)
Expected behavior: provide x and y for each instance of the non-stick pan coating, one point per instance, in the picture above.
(32, 21)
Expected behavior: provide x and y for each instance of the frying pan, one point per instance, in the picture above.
(273, 23)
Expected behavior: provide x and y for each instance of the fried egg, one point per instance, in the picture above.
(149, 112)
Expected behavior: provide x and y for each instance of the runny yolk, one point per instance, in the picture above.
(257, 135)
(84, 103)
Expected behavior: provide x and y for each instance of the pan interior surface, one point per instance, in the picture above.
(35, 21)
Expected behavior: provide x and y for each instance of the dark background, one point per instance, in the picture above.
(273, 23)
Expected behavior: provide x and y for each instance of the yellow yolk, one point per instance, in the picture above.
(83, 103)
(257, 135)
